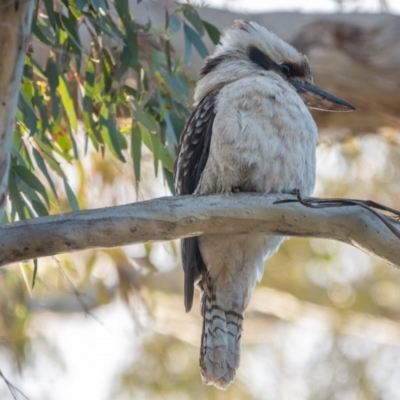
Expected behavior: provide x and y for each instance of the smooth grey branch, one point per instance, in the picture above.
(170, 218)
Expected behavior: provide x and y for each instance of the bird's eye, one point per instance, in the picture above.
(287, 70)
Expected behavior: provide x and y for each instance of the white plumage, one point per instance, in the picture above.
(250, 131)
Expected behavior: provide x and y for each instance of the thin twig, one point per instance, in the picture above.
(368, 205)
(12, 388)
(76, 292)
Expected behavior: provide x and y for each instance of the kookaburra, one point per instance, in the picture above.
(250, 131)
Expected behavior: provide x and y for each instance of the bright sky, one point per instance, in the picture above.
(323, 6)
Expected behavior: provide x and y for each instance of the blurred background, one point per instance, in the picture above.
(324, 322)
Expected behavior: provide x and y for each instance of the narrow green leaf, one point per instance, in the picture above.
(213, 32)
(188, 50)
(60, 32)
(178, 122)
(90, 78)
(72, 142)
(130, 91)
(73, 202)
(166, 159)
(170, 129)
(28, 210)
(22, 154)
(40, 209)
(125, 61)
(43, 33)
(52, 74)
(167, 51)
(38, 70)
(52, 80)
(112, 22)
(131, 50)
(41, 105)
(136, 150)
(15, 196)
(107, 64)
(166, 19)
(100, 26)
(142, 117)
(70, 27)
(31, 180)
(35, 269)
(80, 4)
(67, 103)
(191, 14)
(155, 144)
(73, 9)
(49, 4)
(110, 132)
(26, 106)
(173, 25)
(47, 151)
(99, 4)
(160, 152)
(42, 166)
(131, 40)
(195, 39)
(89, 98)
(32, 200)
(123, 10)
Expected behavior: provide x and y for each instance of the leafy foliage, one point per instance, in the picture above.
(94, 73)
(94, 81)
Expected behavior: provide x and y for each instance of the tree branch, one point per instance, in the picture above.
(170, 218)
(15, 28)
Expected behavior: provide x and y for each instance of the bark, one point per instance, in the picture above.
(15, 22)
(170, 218)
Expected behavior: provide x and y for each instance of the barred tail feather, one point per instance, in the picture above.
(220, 343)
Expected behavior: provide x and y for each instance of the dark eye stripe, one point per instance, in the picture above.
(288, 69)
(260, 58)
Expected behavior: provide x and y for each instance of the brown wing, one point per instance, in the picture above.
(192, 157)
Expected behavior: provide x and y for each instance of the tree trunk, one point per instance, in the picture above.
(15, 27)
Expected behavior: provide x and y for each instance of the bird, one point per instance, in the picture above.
(250, 131)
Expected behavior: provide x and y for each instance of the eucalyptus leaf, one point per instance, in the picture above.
(136, 150)
(195, 39)
(67, 103)
(213, 32)
(31, 180)
(73, 202)
(193, 17)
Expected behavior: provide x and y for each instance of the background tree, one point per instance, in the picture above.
(104, 97)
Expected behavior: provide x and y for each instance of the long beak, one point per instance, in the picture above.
(318, 99)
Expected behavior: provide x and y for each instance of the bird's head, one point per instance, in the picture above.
(248, 48)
